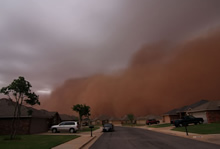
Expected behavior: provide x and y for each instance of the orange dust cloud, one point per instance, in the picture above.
(160, 77)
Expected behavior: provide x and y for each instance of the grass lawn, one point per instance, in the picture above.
(213, 128)
(88, 129)
(34, 141)
(133, 125)
(160, 125)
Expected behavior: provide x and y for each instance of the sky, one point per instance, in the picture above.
(49, 42)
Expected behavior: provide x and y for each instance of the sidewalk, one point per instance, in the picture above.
(211, 138)
(82, 141)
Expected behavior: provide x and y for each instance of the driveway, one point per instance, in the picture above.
(136, 138)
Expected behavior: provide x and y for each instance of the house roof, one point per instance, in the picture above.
(125, 118)
(211, 105)
(7, 110)
(141, 118)
(172, 112)
(194, 105)
(151, 116)
(186, 108)
(115, 119)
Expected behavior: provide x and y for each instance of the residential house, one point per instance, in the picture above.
(209, 111)
(181, 112)
(102, 119)
(170, 115)
(31, 120)
(115, 121)
(125, 120)
(141, 120)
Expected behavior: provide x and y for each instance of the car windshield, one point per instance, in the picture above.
(62, 124)
(107, 125)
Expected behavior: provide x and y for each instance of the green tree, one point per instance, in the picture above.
(83, 110)
(20, 92)
(130, 117)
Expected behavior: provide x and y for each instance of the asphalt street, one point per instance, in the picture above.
(136, 138)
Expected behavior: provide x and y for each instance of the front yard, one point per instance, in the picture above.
(84, 129)
(34, 141)
(213, 128)
(160, 125)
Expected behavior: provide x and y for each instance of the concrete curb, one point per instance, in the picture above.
(210, 138)
(83, 145)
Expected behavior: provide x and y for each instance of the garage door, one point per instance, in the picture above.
(201, 114)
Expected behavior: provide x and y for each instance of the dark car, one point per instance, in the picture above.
(108, 127)
(185, 121)
(152, 121)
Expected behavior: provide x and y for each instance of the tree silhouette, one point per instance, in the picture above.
(20, 90)
(83, 110)
(130, 117)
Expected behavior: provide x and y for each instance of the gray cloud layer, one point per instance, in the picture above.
(50, 41)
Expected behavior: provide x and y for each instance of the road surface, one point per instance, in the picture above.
(136, 138)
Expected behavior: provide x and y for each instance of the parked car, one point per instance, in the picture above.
(152, 121)
(70, 126)
(185, 121)
(108, 127)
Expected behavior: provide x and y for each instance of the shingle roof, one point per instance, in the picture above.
(115, 119)
(194, 105)
(172, 112)
(151, 116)
(141, 118)
(7, 110)
(185, 108)
(211, 105)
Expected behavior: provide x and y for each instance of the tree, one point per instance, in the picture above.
(20, 90)
(130, 117)
(83, 110)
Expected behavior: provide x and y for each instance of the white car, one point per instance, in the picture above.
(70, 126)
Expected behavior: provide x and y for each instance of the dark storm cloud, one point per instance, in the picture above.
(51, 41)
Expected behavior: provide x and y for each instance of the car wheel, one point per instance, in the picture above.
(200, 122)
(72, 130)
(54, 130)
(181, 125)
(195, 123)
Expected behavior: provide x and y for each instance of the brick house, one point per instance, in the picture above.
(102, 119)
(181, 112)
(209, 111)
(170, 115)
(37, 121)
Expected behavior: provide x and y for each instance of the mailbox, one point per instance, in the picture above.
(91, 126)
